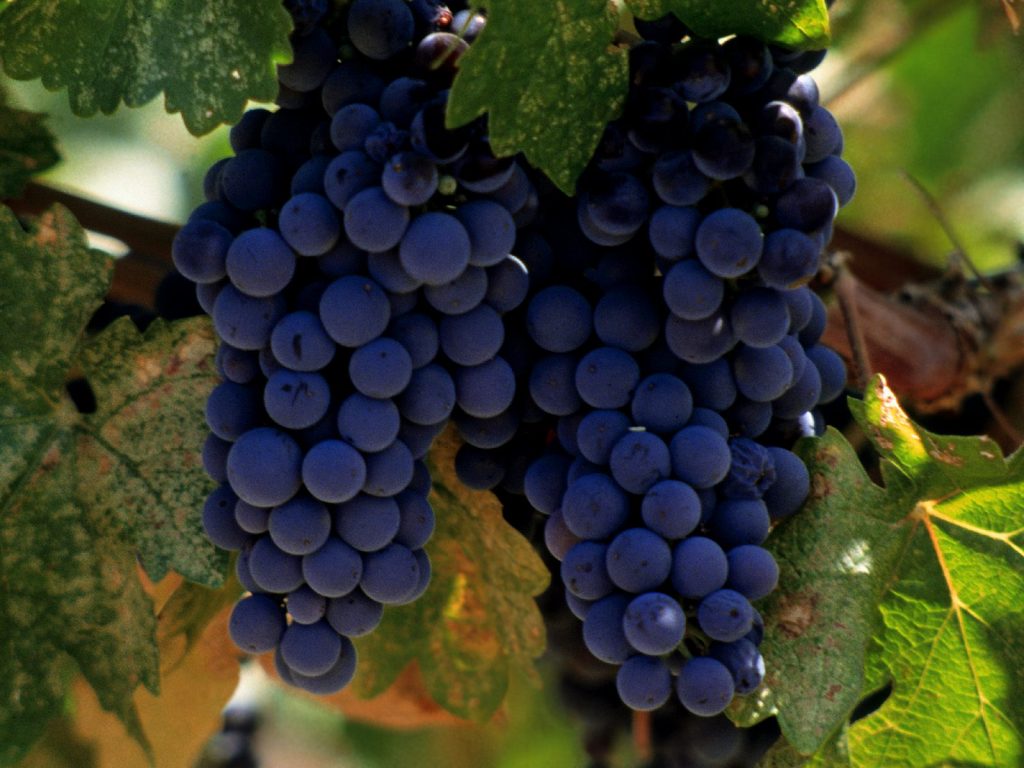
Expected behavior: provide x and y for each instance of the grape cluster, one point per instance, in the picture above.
(670, 349)
(354, 257)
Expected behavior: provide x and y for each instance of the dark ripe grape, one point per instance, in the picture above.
(273, 569)
(373, 221)
(334, 570)
(809, 205)
(472, 338)
(790, 258)
(251, 180)
(762, 373)
(485, 390)
(390, 575)
(348, 174)
(831, 369)
(750, 63)
(671, 508)
(644, 683)
(545, 482)
(705, 686)
(459, 295)
(200, 250)
(638, 460)
(368, 523)
(776, 165)
(370, 424)
(379, 29)
(703, 71)
(594, 506)
(435, 249)
(300, 342)
(729, 242)
(606, 377)
(837, 173)
(700, 457)
(382, 368)
(691, 292)
(661, 403)
(598, 432)
(437, 56)
(259, 262)
(306, 606)
(296, 400)
(417, 519)
(743, 660)
(791, 486)
(699, 567)
(430, 136)
(245, 134)
(759, 317)
(753, 571)
(354, 614)
(309, 224)
(491, 231)
(603, 630)
(257, 623)
(479, 469)
(335, 678)
(219, 519)
(654, 623)
(354, 310)
(723, 148)
(552, 386)
(638, 560)
(725, 615)
(232, 409)
(300, 526)
(409, 178)
(508, 284)
(479, 171)
(264, 467)
(672, 231)
(559, 319)
(739, 521)
(429, 397)
(390, 471)
(310, 649)
(584, 572)
(617, 203)
(314, 56)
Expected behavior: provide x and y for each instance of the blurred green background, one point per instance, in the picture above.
(929, 88)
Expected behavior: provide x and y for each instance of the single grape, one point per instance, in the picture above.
(257, 623)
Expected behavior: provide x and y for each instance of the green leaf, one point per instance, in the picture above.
(548, 76)
(801, 24)
(26, 147)
(954, 618)
(208, 58)
(835, 754)
(141, 450)
(835, 559)
(477, 624)
(918, 583)
(82, 496)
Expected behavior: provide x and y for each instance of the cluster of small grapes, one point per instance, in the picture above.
(586, 688)
(674, 357)
(354, 257)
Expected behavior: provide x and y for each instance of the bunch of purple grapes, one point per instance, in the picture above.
(354, 257)
(637, 368)
(670, 347)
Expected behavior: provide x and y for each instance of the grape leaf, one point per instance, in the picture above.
(207, 58)
(954, 618)
(918, 583)
(477, 624)
(835, 558)
(69, 594)
(26, 147)
(561, 81)
(802, 24)
(142, 449)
